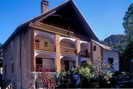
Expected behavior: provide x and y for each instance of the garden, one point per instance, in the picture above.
(86, 77)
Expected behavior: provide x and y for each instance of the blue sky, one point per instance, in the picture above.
(104, 16)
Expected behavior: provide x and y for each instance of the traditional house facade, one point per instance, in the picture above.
(55, 41)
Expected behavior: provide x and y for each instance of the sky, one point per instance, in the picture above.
(104, 16)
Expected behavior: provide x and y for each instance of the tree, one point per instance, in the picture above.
(128, 23)
(127, 56)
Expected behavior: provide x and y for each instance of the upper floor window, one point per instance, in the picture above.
(94, 48)
(45, 44)
(37, 43)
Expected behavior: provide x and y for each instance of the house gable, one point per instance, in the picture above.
(67, 17)
(66, 14)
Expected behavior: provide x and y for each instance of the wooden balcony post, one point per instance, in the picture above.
(91, 51)
(77, 51)
(34, 61)
(58, 54)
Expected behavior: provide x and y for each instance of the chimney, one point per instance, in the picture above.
(44, 6)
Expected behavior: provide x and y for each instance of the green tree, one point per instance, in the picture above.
(128, 23)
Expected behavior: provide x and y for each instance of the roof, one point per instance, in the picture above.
(102, 45)
(81, 27)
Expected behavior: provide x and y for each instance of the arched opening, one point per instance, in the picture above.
(68, 46)
(45, 63)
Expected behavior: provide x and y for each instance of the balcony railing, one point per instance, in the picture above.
(68, 50)
(44, 80)
(39, 47)
(39, 68)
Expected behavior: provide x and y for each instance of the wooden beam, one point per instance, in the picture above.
(78, 46)
(52, 29)
(91, 51)
(58, 54)
(56, 30)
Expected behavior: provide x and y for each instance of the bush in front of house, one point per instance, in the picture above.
(123, 80)
(82, 77)
(77, 77)
(85, 77)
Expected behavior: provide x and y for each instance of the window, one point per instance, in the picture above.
(37, 43)
(45, 44)
(110, 60)
(94, 48)
(39, 64)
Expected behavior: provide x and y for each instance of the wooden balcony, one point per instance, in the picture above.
(39, 68)
(39, 47)
(68, 50)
